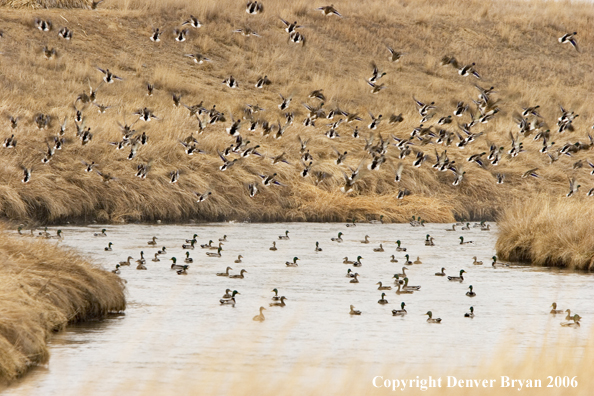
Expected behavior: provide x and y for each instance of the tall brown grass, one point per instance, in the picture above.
(43, 287)
(549, 231)
(514, 45)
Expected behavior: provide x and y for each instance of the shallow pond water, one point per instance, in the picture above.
(175, 327)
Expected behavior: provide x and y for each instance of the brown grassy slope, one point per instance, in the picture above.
(42, 288)
(548, 231)
(514, 46)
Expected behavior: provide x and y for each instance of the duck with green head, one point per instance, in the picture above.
(407, 261)
(457, 278)
(463, 242)
(116, 270)
(399, 248)
(190, 246)
(108, 247)
(401, 311)
(382, 300)
(337, 239)
(275, 297)
(217, 254)
(284, 237)
(318, 248)
(292, 264)
(407, 287)
(470, 314)
(358, 263)
(470, 293)
(188, 259)
(103, 233)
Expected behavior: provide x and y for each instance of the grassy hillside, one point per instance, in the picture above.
(42, 288)
(514, 46)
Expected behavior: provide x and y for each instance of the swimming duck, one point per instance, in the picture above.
(162, 251)
(495, 264)
(407, 261)
(260, 317)
(354, 311)
(292, 264)
(380, 221)
(568, 317)
(382, 300)
(475, 262)
(223, 239)
(350, 273)
(127, 262)
(442, 273)
(140, 266)
(217, 247)
(470, 293)
(108, 247)
(230, 301)
(407, 287)
(418, 261)
(470, 314)
(273, 247)
(486, 227)
(452, 229)
(366, 240)
(403, 274)
(575, 322)
(153, 242)
(183, 271)
(401, 311)
(284, 237)
(226, 273)
(156, 258)
(337, 239)
(379, 249)
(430, 319)
(462, 241)
(393, 259)
(101, 234)
(238, 259)
(347, 261)
(116, 270)
(400, 290)
(355, 278)
(188, 259)
(318, 248)
(383, 287)
(141, 259)
(352, 224)
(466, 227)
(358, 263)
(207, 246)
(457, 278)
(176, 266)
(429, 241)
(217, 254)
(240, 276)
(190, 246)
(280, 303)
(399, 248)
(555, 310)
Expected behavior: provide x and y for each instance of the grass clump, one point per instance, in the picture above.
(43, 287)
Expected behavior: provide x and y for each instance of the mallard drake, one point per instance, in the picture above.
(399, 248)
(206, 246)
(495, 264)
(284, 237)
(379, 249)
(470, 293)
(223, 239)
(418, 261)
(354, 311)
(292, 264)
(273, 247)
(116, 270)
(140, 266)
(380, 221)
(475, 262)
(188, 259)
(401, 311)
(457, 278)
(382, 300)
(569, 38)
(337, 239)
(238, 259)
(101, 234)
(217, 254)
(318, 248)
(240, 276)
(407, 261)
(156, 258)
(193, 239)
(430, 319)
(555, 310)
(230, 301)
(358, 263)
(462, 242)
(442, 273)
(141, 259)
(162, 251)
(470, 314)
(108, 247)
(176, 266)
(347, 261)
(190, 246)
(226, 273)
(260, 317)
(127, 262)
(153, 242)
(401, 290)
(383, 287)
(350, 273)
(429, 241)
(393, 259)
(355, 278)
(466, 227)
(352, 224)
(407, 287)
(366, 240)
(280, 303)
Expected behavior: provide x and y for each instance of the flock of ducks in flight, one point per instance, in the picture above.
(401, 280)
(377, 149)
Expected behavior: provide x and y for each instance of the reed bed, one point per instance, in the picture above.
(548, 231)
(44, 287)
(514, 45)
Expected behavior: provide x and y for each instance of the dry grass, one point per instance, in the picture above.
(514, 45)
(42, 288)
(548, 231)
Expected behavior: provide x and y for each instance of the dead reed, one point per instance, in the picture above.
(43, 287)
